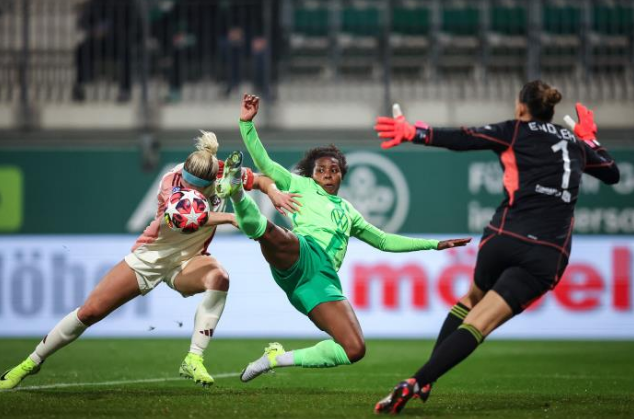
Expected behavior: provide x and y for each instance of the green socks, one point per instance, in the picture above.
(249, 217)
(325, 354)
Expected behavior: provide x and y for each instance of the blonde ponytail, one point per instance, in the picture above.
(203, 163)
(207, 141)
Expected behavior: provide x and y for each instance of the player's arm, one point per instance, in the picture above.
(598, 161)
(283, 202)
(601, 165)
(164, 192)
(218, 218)
(386, 242)
(248, 111)
(397, 129)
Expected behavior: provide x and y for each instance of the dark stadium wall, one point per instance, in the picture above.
(409, 190)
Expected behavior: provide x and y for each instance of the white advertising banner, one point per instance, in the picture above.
(42, 278)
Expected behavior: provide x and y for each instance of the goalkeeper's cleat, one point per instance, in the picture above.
(263, 364)
(394, 402)
(425, 392)
(193, 368)
(11, 378)
(231, 180)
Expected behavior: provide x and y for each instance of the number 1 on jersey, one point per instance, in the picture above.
(565, 181)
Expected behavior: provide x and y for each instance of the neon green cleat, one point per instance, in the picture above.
(193, 368)
(263, 364)
(231, 180)
(11, 378)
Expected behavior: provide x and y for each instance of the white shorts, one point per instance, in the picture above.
(149, 276)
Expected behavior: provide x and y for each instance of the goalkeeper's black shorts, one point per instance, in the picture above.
(520, 272)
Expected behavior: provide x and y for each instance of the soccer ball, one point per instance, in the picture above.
(187, 210)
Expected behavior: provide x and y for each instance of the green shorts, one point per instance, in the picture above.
(312, 280)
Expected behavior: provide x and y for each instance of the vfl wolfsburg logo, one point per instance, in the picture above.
(339, 217)
(377, 189)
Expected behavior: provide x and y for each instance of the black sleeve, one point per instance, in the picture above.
(497, 137)
(600, 164)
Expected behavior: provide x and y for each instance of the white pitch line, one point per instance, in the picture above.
(115, 383)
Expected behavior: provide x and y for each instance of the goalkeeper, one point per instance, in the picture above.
(304, 262)
(524, 250)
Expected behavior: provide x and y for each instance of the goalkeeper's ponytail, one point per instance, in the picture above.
(540, 99)
(203, 163)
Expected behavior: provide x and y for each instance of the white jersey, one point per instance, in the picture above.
(160, 253)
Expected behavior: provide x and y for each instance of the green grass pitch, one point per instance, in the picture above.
(105, 378)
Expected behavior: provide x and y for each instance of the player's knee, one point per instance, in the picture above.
(473, 297)
(355, 350)
(90, 313)
(217, 279)
(469, 301)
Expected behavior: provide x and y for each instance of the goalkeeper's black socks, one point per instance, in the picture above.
(454, 319)
(453, 350)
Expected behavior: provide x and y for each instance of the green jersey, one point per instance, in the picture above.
(328, 219)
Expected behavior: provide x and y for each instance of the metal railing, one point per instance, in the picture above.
(161, 52)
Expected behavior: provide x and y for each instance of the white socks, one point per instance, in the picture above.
(287, 359)
(64, 332)
(207, 316)
(70, 328)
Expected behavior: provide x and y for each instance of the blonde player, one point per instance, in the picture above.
(163, 255)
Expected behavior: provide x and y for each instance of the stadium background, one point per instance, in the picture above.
(98, 98)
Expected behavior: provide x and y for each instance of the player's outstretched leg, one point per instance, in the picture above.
(65, 332)
(454, 319)
(193, 368)
(250, 219)
(453, 350)
(326, 354)
(11, 378)
(492, 311)
(265, 363)
(231, 181)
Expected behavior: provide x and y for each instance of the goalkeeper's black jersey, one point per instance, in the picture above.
(543, 164)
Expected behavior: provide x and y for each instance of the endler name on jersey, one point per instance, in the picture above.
(561, 133)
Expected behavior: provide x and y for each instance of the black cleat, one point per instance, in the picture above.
(400, 395)
(425, 392)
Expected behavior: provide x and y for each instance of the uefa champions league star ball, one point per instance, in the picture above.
(187, 210)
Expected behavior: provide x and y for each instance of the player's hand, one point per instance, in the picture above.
(448, 244)
(284, 202)
(218, 218)
(233, 221)
(395, 129)
(250, 106)
(586, 128)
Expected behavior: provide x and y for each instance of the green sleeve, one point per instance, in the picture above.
(381, 240)
(263, 162)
